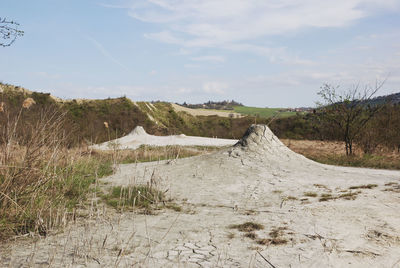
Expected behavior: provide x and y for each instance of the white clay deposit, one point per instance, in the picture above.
(258, 180)
(138, 137)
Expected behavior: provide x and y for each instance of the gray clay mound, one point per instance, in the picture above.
(260, 145)
(138, 137)
(260, 139)
(139, 130)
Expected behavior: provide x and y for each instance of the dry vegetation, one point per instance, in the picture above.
(333, 153)
(276, 234)
(43, 182)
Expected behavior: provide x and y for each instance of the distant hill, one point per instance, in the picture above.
(392, 99)
(215, 105)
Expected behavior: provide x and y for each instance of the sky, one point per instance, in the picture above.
(264, 53)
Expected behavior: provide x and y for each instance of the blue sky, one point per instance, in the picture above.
(260, 52)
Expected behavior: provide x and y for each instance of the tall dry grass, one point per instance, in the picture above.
(41, 181)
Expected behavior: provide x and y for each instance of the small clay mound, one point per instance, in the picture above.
(259, 139)
(258, 136)
(139, 130)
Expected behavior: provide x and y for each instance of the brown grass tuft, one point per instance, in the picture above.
(367, 186)
(251, 235)
(310, 194)
(28, 102)
(247, 226)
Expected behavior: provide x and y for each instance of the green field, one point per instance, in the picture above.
(262, 112)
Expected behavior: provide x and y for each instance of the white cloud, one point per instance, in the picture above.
(209, 58)
(206, 23)
(215, 87)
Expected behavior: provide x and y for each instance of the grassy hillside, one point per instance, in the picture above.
(263, 112)
(85, 119)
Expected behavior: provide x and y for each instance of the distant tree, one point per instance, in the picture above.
(9, 32)
(349, 111)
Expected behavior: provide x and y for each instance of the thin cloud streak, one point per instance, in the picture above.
(105, 53)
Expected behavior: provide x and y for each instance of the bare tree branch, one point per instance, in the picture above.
(9, 32)
(348, 111)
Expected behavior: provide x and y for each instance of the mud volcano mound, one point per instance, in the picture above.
(139, 130)
(138, 137)
(261, 142)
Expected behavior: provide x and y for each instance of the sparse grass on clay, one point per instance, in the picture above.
(147, 197)
(367, 186)
(310, 194)
(277, 191)
(276, 237)
(392, 187)
(174, 207)
(141, 196)
(251, 235)
(347, 196)
(326, 197)
(321, 186)
(247, 227)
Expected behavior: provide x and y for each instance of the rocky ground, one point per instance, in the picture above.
(256, 204)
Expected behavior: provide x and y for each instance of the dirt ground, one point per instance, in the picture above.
(256, 204)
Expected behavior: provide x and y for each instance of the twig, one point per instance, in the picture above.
(273, 266)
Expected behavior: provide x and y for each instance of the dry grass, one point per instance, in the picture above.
(310, 194)
(347, 196)
(276, 237)
(367, 186)
(251, 235)
(247, 227)
(392, 187)
(41, 181)
(140, 196)
(333, 153)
